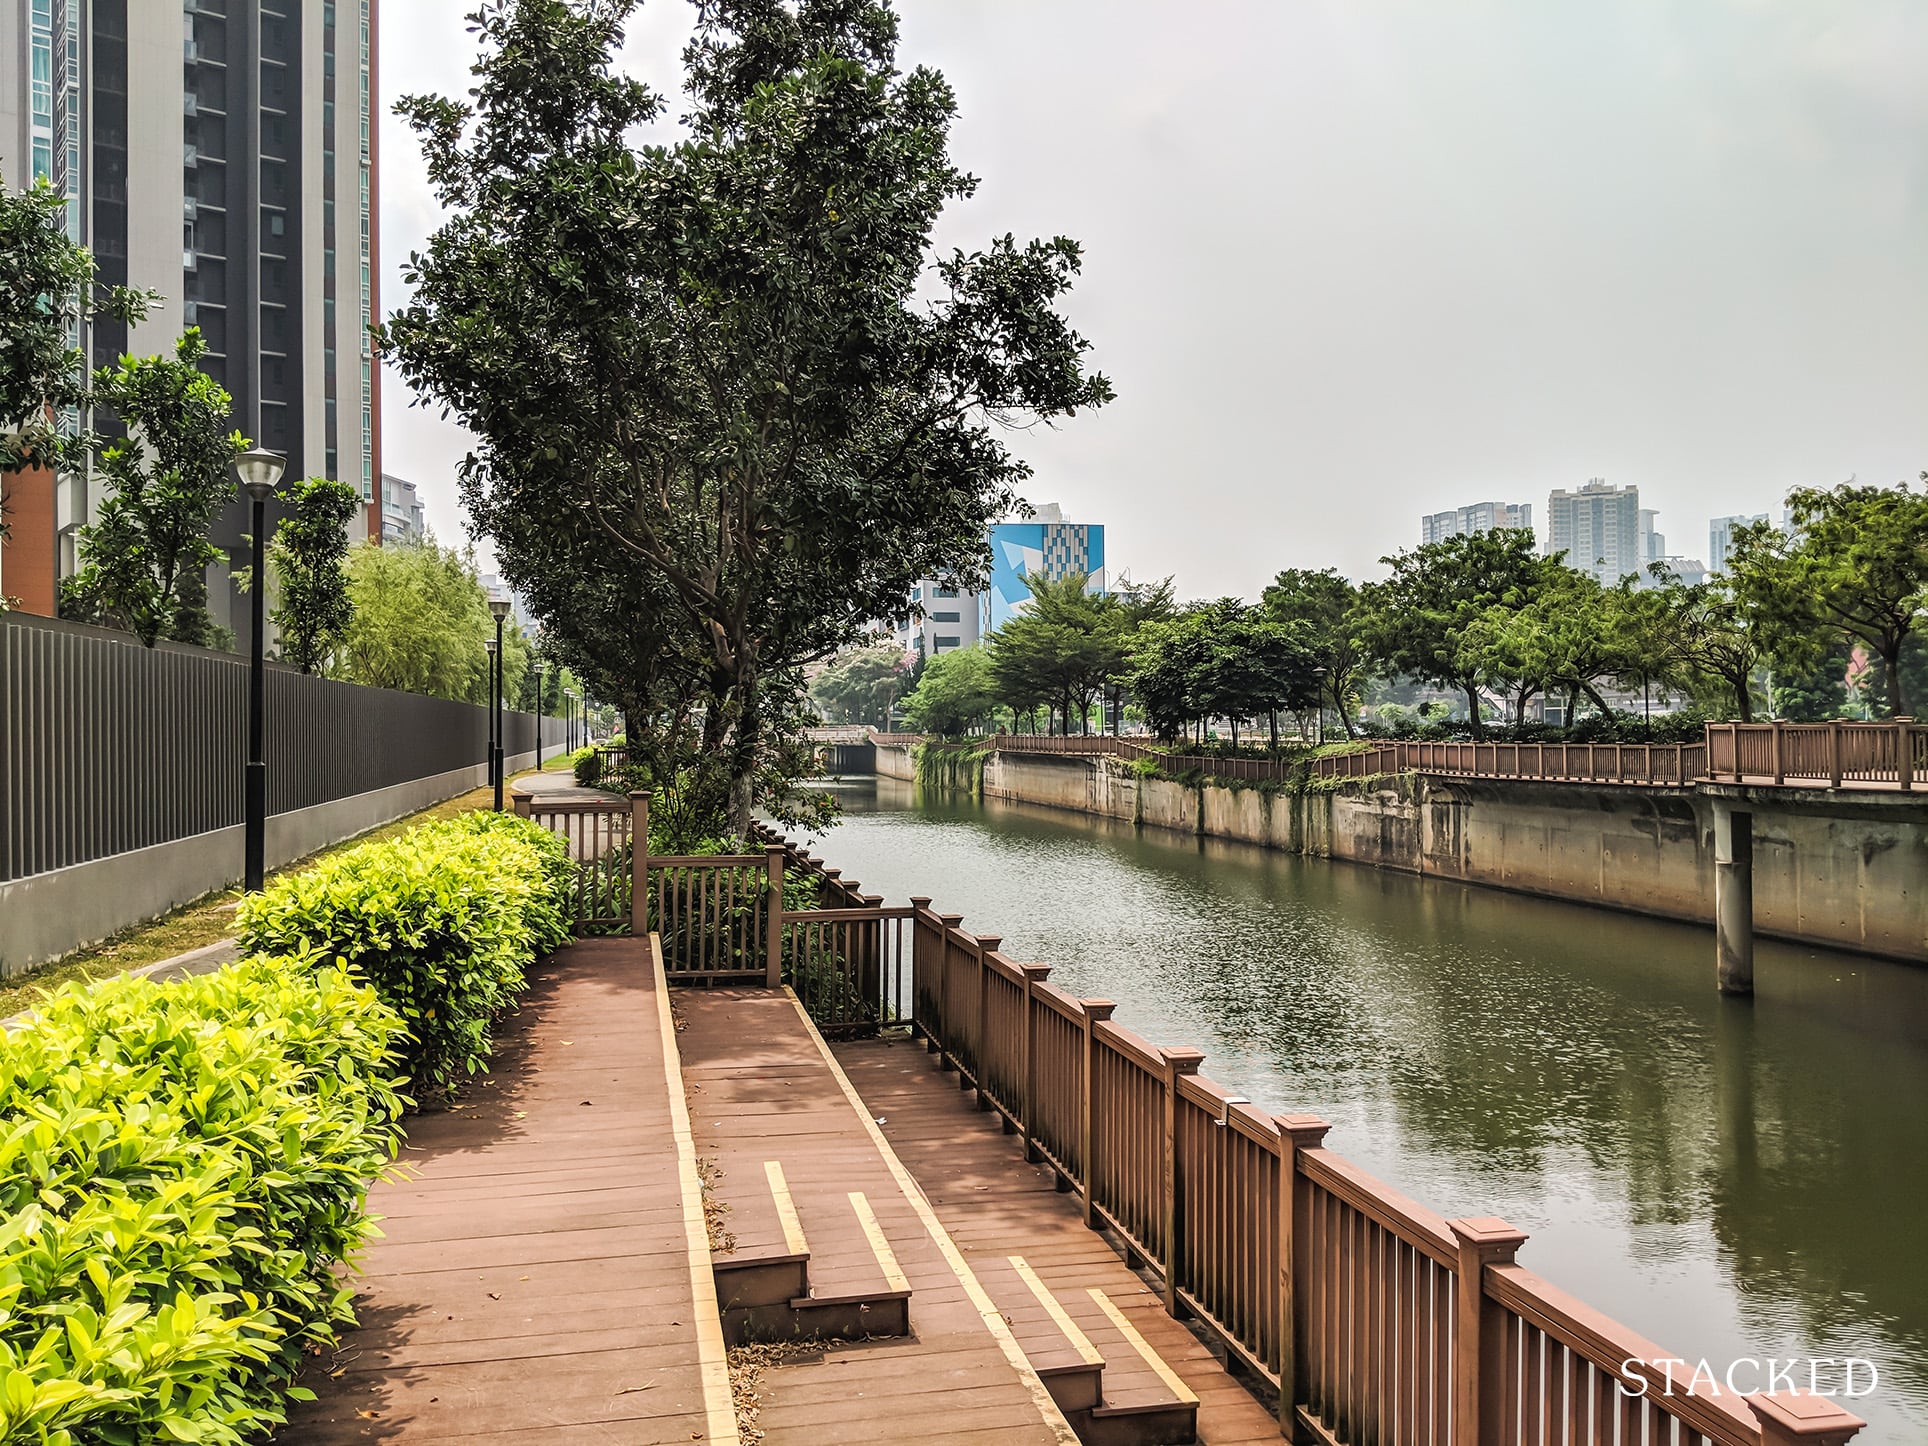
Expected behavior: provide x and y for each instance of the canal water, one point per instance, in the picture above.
(1732, 1179)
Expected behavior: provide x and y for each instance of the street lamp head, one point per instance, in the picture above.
(260, 470)
(1318, 672)
(499, 607)
(489, 643)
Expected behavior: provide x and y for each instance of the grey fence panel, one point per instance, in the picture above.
(107, 746)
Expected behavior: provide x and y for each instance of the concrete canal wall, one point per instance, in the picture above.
(1847, 869)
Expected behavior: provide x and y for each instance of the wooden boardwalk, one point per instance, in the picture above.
(995, 1206)
(765, 1093)
(544, 1276)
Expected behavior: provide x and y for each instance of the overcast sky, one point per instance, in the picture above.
(1350, 261)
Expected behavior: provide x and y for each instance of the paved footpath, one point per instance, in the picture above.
(544, 1275)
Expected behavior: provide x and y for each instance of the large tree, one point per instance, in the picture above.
(145, 557)
(736, 355)
(1327, 604)
(420, 622)
(47, 290)
(1061, 650)
(1856, 565)
(955, 695)
(1417, 621)
(312, 611)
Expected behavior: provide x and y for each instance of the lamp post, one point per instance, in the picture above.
(259, 471)
(539, 715)
(499, 606)
(1320, 674)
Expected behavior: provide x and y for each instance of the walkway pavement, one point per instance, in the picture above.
(543, 1274)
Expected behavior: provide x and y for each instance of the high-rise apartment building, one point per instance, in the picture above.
(1653, 542)
(1720, 537)
(1598, 528)
(952, 618)
(222, 153)
(404, 519)
(1476, 517)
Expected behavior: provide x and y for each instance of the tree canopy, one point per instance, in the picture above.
(736, 357)
(144, 558)
(306, 554)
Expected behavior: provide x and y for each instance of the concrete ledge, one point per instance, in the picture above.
(45, 916)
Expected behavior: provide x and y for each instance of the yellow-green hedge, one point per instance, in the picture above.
(443, 921)
(181, 1167)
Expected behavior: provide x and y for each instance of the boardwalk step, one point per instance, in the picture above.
(1070, 1366)
(771, 1263)
(874, 1299)
(1147, 1403)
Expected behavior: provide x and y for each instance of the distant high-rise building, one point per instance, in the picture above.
(221, 153)
(1598, 528)
(952, 618)
(1477, 517)
(1720, 537)
(404, 519)
(1653, 543)
(1048, 546)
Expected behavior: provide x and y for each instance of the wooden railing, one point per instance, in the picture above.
(1376, 1319)
(598, 834)
(1839, 754)
(1669, 764)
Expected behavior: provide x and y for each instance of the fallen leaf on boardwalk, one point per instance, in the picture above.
(588, 1102)
(368, 1415)
(494, 1296)
(568, 1041)
(646, 1386)
(521, 1114)
(522, 1277)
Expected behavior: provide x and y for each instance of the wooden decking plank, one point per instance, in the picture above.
(993, 1202)
(952, 1378)
(538, 1277)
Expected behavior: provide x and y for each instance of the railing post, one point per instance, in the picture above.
(1178, 1063)
(947, 1017)
(1296, 1133)
(1905, 753)
(1780, 765)
(639, 864)
(986, 945)
(1095, 1011)
(773, 938)
(1834, 752)
(1794, 1419)
(1479, 1346)
(522, 803)
(919, 965)
(1034, 974)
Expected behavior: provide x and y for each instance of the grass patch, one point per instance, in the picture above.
(207, 920)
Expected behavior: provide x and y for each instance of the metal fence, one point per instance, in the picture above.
(1377, 1319)
(107, 746)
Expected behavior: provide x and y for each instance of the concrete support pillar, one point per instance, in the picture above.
(1734, 898)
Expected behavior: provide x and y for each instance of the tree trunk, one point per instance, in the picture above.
(1272, 716)
(1345, 720)
(1472, 705)
(1891, 660)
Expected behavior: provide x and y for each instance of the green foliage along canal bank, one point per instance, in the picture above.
(183, 1165)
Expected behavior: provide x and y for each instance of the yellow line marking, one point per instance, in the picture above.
(987, 1310)
(713, 1361)
(879, 1246)
(1139, 1344)
(793, 1240)
(1080, 1342)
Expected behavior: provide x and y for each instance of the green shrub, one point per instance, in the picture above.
(181, 1167)
(588, 767)
(442, 921)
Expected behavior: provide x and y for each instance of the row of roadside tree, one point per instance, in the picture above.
(1821, 620)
